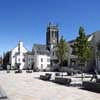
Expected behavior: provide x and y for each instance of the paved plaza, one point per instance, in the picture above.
(27, 86)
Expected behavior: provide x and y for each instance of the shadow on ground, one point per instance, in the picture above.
(71, 85)
(90, 90)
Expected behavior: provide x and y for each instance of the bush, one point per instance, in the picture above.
(70, 71)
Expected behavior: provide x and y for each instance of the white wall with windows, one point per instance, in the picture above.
(96, 39)
(17, 56)
(29, 61)
(42, 61)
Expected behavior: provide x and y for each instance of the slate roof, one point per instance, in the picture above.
(71, 41)
(29, 53)
(40, 49)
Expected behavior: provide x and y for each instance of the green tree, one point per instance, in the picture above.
(1, 60)
(6, 58)
(82, 49)
(61, 51)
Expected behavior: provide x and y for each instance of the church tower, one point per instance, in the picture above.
(52, 39)
(52, 36)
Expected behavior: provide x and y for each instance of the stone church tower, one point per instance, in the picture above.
(52, 39)
(52, 35)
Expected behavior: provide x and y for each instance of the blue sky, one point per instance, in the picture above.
(26, 20)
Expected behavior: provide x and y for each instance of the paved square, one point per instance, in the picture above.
(26, 86)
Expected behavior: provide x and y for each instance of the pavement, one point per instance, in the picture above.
(3, 95)
(27, 86)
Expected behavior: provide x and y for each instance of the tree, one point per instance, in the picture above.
(61, 51)
(6, 58)
(1, 60)
(82, 49)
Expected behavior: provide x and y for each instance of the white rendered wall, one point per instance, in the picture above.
(17, 54)
(42, 64)
(29, 59)
(97, 39)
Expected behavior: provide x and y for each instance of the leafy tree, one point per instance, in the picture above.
(82, 49)
(1, 60)
(6, 58)
(61, 51)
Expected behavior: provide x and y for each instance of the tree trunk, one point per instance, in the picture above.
(61, 66)
(81, 74)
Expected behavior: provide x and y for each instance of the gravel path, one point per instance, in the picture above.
(27, 86)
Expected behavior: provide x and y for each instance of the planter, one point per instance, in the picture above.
(18, 71)
(91, 86)
(28, 71)
(8, 71)
(45, 77)
(64, 81)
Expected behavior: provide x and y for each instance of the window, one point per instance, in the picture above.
(48, 65)
(41, 66)
(55, 34)
(53, 54)
(23, 60)
(18, 49)
(41, 59)
(48, 59)
(31, 59)
(52, 33)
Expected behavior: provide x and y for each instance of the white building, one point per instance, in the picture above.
(95, 38)
(29, 60)
(42, 61)
(41, 57)
(17, 56)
